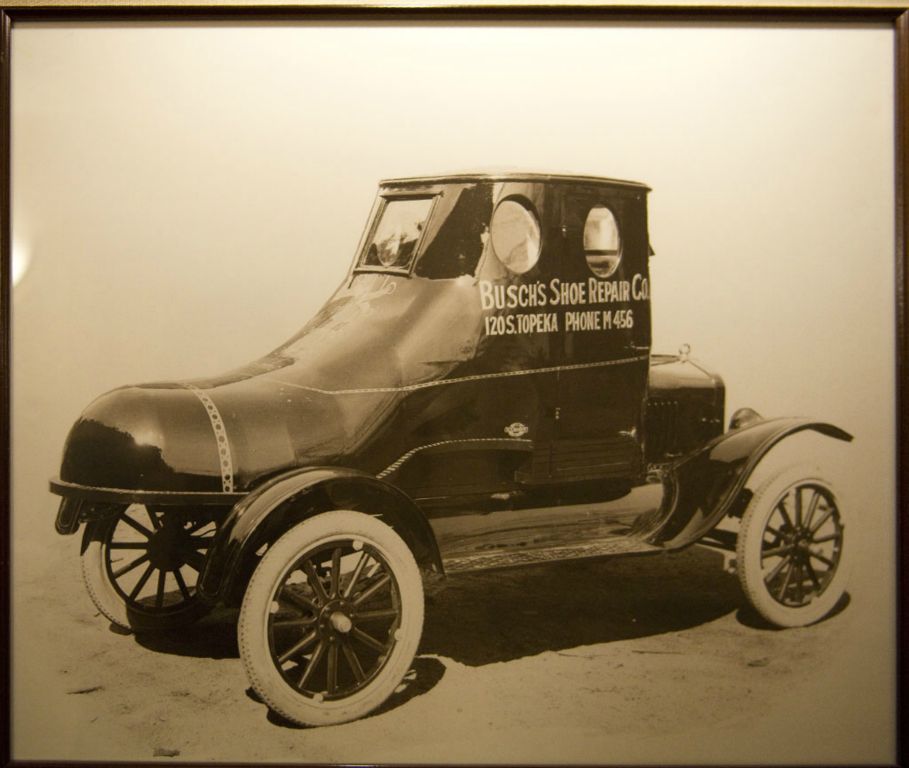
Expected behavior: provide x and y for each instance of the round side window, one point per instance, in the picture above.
(602, 242)
(515, 234)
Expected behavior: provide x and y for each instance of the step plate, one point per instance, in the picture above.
(511, 558)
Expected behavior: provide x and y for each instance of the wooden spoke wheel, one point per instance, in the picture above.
(791, 553)
(141, 565)
(331, 618)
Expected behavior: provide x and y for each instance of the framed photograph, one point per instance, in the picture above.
(350, 354)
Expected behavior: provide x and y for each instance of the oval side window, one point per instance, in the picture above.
(602, 242)
(515, 234)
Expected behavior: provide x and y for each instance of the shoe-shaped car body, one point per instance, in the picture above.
(480, 392)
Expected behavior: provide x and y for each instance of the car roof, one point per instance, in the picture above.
(462, 177)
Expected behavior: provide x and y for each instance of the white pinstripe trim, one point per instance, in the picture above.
(397, 464)
(461, 379)
(217, 425)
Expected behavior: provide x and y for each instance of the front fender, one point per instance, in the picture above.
(279, 504)
(702, 488)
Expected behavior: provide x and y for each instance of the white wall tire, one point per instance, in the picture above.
(331, 618)
(793, 552)
(140, 567)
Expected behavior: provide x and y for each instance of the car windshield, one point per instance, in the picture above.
(450, 229)
(396, 235)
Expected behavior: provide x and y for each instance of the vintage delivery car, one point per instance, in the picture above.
(480, 392)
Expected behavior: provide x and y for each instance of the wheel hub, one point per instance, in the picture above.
(335, 619)
(165, 550)
(341, 622)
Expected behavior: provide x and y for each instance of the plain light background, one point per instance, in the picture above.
(186, 197)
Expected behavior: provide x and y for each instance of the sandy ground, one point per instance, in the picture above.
(625, 660)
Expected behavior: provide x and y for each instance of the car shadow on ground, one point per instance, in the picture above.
(495, 616)
(504, 615)
(213, 637)
(749, 617)
(485, 618)
(424, 674)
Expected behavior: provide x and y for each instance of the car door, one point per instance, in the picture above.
(604, 313)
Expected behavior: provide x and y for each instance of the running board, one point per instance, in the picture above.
(512, 557)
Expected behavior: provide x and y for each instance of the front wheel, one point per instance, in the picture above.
(331, 618)
(791, 551)
(141, 565)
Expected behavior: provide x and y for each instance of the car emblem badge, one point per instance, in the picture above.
(517, 429)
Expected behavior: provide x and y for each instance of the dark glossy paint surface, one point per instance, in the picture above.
(502, 410)
(143, 438)
(398, 365)
(533, 519)
(263, 515)
(702, 488)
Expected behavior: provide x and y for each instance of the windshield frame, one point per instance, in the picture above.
(383, 200)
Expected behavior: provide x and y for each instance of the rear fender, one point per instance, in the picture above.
(701, 489)
(272, 509)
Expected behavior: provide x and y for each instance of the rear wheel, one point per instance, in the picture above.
(791, 553)
(331, 619)
(141, 565)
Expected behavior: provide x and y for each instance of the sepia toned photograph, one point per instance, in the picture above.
(468, 391)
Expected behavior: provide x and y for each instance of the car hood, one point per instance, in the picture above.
(324, 397)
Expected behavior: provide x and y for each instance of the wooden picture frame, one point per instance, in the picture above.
(54, 360)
